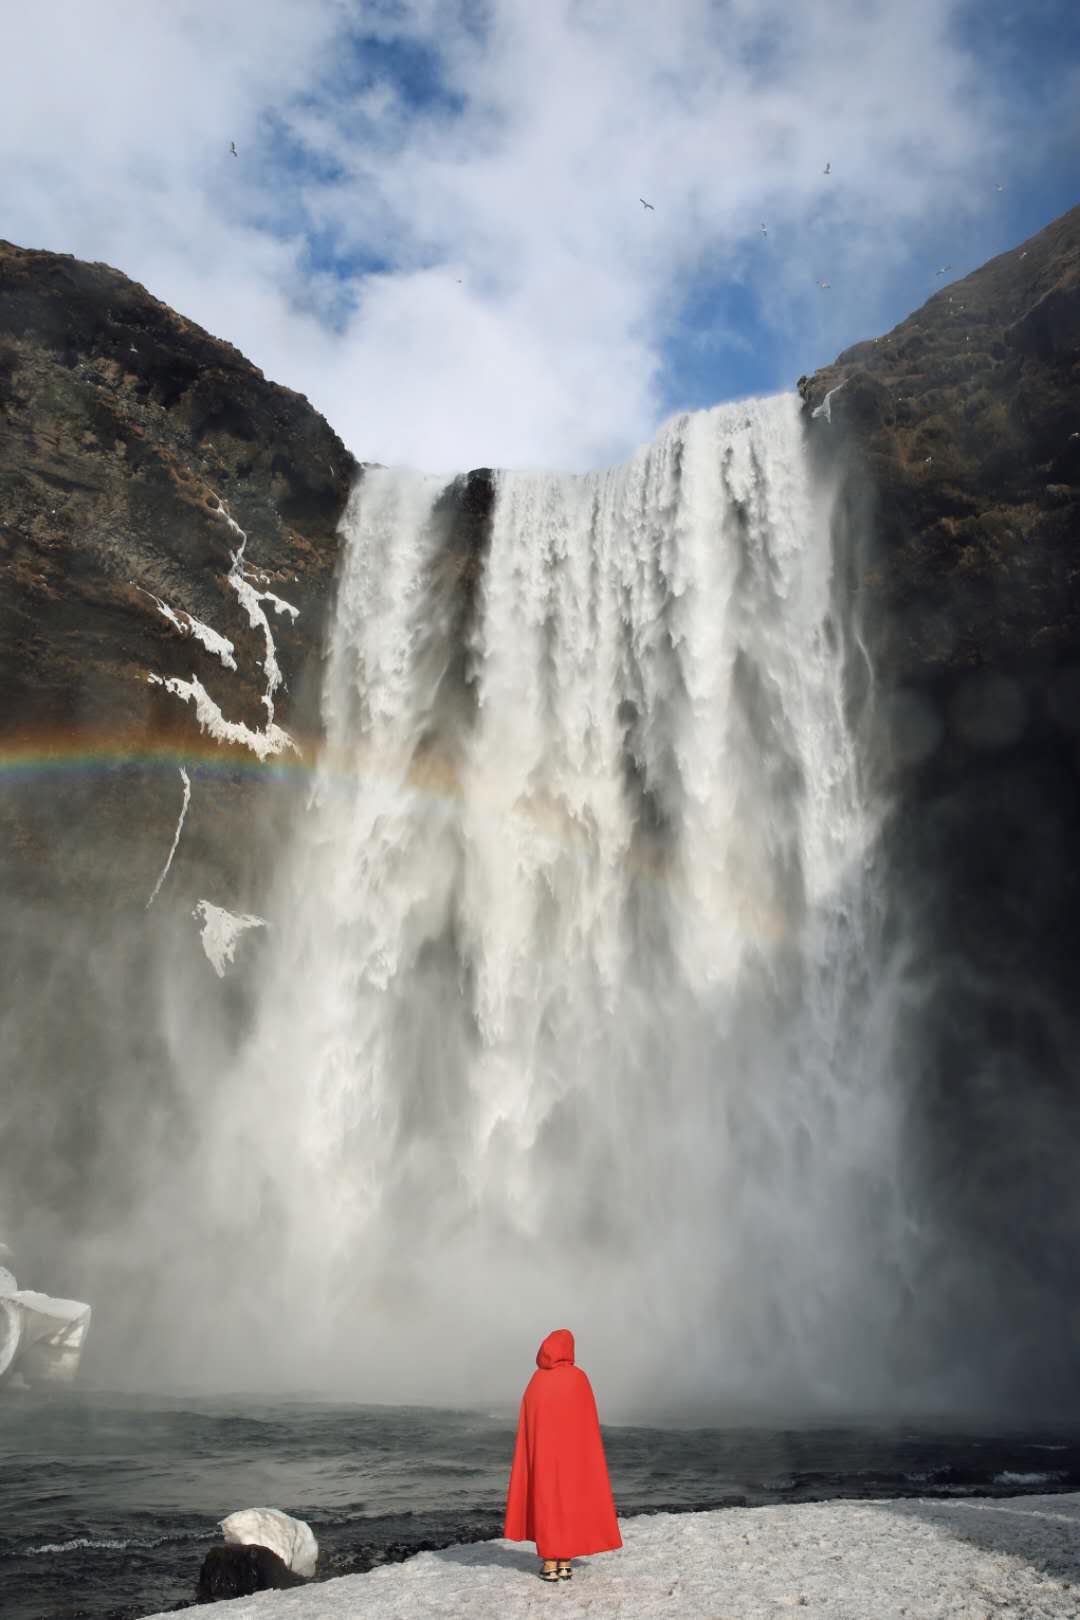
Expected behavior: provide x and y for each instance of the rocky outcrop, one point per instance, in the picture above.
(134, 449)
(232, 1572)
(955, 439)
(961, 430)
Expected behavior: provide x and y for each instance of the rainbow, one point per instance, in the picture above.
(31, 758)
(36, 756)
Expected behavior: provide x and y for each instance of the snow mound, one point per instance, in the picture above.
(290, 1538)
(1016, 1558)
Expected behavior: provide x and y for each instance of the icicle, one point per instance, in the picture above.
(176, 837)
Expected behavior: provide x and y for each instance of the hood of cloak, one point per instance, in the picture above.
(557, 1350)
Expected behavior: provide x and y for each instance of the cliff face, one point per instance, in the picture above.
(956, 442)
(962, 428)
(956, 438)
(128, 440)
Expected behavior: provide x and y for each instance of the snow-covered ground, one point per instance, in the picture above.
(1017, 1557)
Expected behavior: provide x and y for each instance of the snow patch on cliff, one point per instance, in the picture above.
(825, 408)
(263, 744)
(188, 625)
(221, 931)
(185, 778)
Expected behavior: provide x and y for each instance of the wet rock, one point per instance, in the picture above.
(237, 1571)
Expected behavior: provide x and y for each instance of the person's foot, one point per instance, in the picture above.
(564, 1570)
(549, 1570)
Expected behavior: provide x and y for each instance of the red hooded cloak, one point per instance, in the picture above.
(560, 1494)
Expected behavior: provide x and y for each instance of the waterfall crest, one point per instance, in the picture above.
(578, 1011)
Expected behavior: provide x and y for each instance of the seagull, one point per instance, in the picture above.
(929, 459)
(825, 285)
(827, 169)
(764, 229)
(1024, 254)
(649, 206)
(232, 149)
(942, 268)
(999, 188)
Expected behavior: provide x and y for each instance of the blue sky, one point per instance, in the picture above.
(433, 228)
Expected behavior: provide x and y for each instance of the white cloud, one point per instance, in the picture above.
(523, 296)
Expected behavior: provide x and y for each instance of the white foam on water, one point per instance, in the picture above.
(1011, 1477)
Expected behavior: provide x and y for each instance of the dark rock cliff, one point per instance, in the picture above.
(956, 442)
(956, 438)
(126, 432)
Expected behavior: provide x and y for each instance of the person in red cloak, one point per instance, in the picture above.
(560, 1494)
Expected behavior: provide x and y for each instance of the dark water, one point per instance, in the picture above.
(108, 1503)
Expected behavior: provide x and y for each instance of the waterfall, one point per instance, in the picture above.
(579, 1012)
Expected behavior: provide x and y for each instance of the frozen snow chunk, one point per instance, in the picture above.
(291, 1539)
(186, 780)
(42, 1337)
(221, 930)
(273, 740)
(188, 625)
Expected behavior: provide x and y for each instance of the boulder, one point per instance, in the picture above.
(237, 1571)
(291, 1539)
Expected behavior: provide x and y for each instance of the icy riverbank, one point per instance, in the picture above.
(1014, 1558)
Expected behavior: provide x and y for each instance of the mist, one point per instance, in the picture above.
(596, 989)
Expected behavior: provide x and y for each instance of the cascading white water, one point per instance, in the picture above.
(578, 1012)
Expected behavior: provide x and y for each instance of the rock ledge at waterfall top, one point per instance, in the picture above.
(1016, 1558)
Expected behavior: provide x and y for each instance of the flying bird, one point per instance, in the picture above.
(764, 229)
(232, 149)
(828, 168)
(942, 268)
(649, 206)
(825, 285)
(1024, 254)
(999, 188)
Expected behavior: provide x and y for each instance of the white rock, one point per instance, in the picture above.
(291, 1539)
